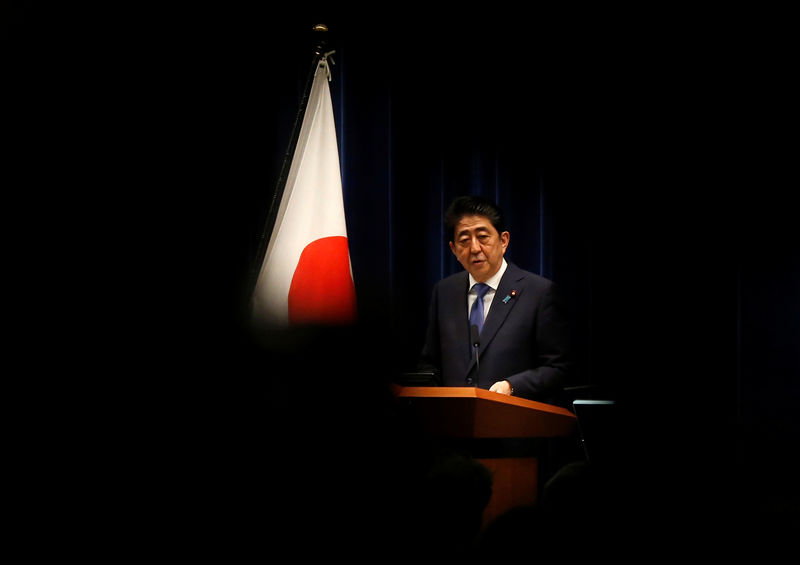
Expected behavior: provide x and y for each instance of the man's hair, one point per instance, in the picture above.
(471, 206)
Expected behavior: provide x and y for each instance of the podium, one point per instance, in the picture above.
(476, 417)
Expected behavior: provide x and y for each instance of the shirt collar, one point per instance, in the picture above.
(494, 280)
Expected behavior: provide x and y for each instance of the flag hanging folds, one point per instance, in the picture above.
(306, 276)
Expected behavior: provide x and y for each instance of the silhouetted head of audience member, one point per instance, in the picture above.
(453, 495)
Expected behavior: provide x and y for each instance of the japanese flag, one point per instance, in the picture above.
(306, 276)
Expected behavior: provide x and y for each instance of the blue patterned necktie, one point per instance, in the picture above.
(476, 314)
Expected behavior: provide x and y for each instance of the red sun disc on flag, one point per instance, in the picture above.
(322, 289)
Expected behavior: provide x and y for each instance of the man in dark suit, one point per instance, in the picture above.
(513, 340)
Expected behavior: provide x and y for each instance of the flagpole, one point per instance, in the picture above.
(320, 31)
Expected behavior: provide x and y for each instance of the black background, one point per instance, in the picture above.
(650, 150)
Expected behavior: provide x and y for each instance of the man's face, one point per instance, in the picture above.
(478, 246)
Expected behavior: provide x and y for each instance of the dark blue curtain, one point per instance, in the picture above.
(442, 113)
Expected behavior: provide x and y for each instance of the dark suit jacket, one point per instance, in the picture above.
(524, 338)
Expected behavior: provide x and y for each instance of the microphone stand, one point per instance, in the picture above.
(476, 343)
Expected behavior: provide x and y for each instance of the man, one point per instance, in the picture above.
(517, 343)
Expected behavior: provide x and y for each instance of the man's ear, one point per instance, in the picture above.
(505, 237)
(453, 248)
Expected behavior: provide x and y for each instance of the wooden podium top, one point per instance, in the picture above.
(470, 412)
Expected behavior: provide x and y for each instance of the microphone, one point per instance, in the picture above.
(476, 342)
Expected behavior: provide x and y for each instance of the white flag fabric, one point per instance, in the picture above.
(306, 276)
